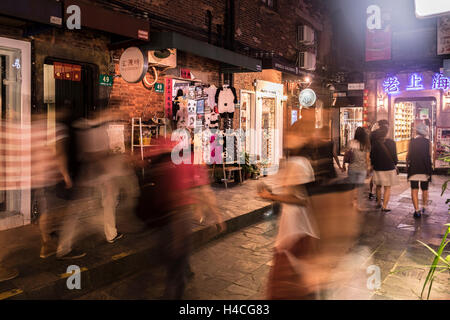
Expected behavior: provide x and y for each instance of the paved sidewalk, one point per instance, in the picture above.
(237, 265)
(104, 263)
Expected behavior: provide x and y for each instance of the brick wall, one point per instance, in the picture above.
(85, 47)
(137, 101)
(260, 27)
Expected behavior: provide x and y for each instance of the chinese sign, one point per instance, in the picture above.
(63, 71)
(392, 84)
(133, 65)
(106, 80)
(168, 97)
(159, 87)
(185, 73)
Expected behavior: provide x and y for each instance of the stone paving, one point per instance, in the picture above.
(236, 266)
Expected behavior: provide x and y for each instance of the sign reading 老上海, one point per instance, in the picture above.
(133, 65)
(415, 82)
(106, 80)
(307, 98)
(159, 87)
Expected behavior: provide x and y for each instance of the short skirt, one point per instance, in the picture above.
(385, 178)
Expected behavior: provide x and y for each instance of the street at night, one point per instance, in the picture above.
(225, 158)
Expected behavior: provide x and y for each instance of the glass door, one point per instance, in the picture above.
(10, 105)
(268, 131)
(350, 120)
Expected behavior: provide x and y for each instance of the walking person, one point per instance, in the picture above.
(100, 168)
(375, 126)
(318, 223)
(383, 156)
(359, 164)
(419, 168)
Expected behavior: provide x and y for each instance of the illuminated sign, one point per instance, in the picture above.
(392, 84)
(415, 82)
(307, 98)
(441, 82)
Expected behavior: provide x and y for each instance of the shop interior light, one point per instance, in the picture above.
(307, 79)
(432, 8)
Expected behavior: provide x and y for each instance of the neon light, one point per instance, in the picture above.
(391, 85)
(415, 82)
(441, 82)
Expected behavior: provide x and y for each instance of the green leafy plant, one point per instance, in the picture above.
(248, 167)
(439, 264)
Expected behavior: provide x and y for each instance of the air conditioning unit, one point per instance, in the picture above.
(166, 58)
(307, 60)
(305, 35)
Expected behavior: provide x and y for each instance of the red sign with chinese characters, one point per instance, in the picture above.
(185, 73)
(168, 97)
(64, 71)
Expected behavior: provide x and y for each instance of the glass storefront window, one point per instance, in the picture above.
(10, 105)
(350, 120)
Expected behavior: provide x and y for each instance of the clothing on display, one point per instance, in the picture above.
(213, 120)
(211, 93)
(226, 98)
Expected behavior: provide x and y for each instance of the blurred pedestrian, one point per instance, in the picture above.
(318, 223)
(49, 175)
(102, 169)
(419, 168)
(359, 163)
(170, 196)
(383, 157)
(375, 126)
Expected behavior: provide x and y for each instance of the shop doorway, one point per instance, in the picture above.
(268, 131)
(350, 118)
(408, 112)
(15, 104)
(10, 104)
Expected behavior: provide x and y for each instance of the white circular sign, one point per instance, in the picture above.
(133, 65)
(307, 98)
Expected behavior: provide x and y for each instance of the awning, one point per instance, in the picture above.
(42, 11)
(232, 62)
(103, 19)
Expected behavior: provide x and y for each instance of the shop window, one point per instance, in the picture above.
(272, 4)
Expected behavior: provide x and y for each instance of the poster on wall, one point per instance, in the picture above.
(443, 35)
(378, 33)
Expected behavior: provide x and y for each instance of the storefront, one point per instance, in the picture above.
(350, 116)
(407, 99)
(15, 105)
(262, 115)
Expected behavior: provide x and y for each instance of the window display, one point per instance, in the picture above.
(403, 115)
(351, 119)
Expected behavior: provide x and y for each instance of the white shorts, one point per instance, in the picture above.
(385, 178)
